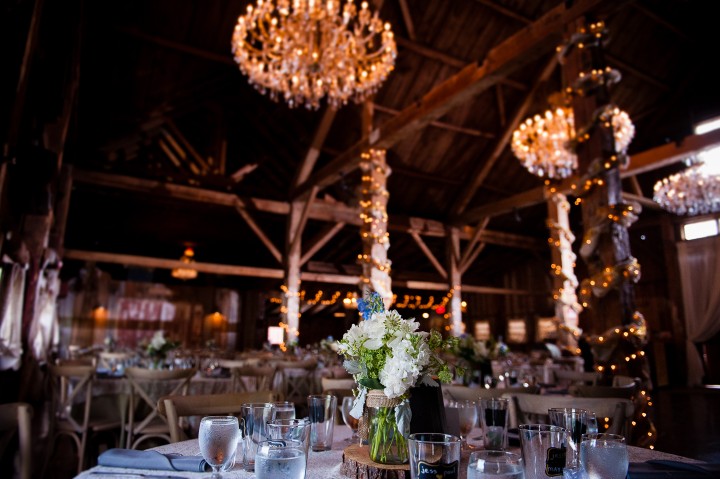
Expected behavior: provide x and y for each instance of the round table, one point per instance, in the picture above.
(320, 464)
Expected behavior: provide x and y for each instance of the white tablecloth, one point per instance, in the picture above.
(324, 465)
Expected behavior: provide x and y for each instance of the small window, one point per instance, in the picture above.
(517, 332)
(700, 229)
(546, 329)
(482, 330)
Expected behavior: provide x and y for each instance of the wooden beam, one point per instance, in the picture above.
(334, 212)
(483, 169)
(467, 288)
(188, 146)
(321, 240)
(407, 19)
(442, 125)
(520, 49)
(637, 189)
(429, 254)
(242, 172)
(316, 144)
(644, 201)
(501, 105)
(626, 67)
(296, 235)
(505, 11)
(62, 208)
(479, 229)
(473, 256)
(660, 21)
(170, 154)
(242, 210)
(644, 162)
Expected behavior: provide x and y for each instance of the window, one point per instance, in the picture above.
(700, 229)
(482, 330)
(517, 332)
(546, 328)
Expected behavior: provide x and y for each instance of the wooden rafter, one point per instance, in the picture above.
(407, 19)
(242, 210)
(311, 156)
(521, 48)
(467, 254)
(320, 240)
(648, 160)
(441, 124)
(429, 254)
(202, 162)
(319, 210)
(295, 236)
(484, 168)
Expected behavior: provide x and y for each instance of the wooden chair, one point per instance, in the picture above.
(533, 409)
(77, 412)
(332, 384)
(565, 377)
(174, 408)
(147, 386)
(16, 417)
(457, 392)
(253, 378)
(297, 380)
(581, 390)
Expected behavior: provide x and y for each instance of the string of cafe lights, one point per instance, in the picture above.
(349, 299)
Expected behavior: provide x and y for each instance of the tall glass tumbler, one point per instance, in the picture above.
(321, 409)
(603, 455)
(543, 450)
(291, 430)
(278, 459)
(434, 455)
(494, 422)
(253, 421)
(573, 420)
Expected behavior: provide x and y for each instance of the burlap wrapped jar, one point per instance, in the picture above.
(393, 451)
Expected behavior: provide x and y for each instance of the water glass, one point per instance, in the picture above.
(284, 410)
(350, 421)
(321, 409)
(434, 455)
(254, 419)
(543, 450)
(494, 422)
(603, 455)
(573, 420)
(279, 459)
(467, 418)
(591, 425)
(218, 439)
(495, 465)
(291, 430)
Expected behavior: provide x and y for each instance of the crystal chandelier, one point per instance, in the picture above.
(304, 50)
(541, 143)
(185, 273)
(691, 192)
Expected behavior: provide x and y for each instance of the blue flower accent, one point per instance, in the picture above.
(372, 304)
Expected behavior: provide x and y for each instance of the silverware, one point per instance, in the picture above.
(136, 475)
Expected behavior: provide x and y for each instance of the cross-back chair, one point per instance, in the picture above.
(297, 379)
(77, 413)
(533, 409)
(457, 392)
(15, 417)
(147, 386)
(176, 408)
(253, 378)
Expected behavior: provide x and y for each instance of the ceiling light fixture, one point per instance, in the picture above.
(691, 192)
(542, 143)
(185, 273)
(304, 50)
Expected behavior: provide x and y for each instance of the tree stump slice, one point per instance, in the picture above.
(358, 465)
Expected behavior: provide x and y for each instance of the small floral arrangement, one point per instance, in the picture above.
(159, 346)
(386, 352)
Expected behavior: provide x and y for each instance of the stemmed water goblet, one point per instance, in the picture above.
(218, 438)
(349, 420)
(467, 416)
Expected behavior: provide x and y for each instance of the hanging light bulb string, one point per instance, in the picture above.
(624, 214)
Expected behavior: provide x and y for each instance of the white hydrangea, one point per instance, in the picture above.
(158, 340)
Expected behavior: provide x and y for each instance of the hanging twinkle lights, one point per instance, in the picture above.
(543, 143)
(691, 192)
(304, 50)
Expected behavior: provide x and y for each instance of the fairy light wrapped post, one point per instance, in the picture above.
(387, 356)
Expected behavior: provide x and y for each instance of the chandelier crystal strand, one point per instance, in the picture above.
(690, 192)
(541, 142)
(305, 50)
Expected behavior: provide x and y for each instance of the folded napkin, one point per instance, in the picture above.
(659, 469)
(151, 460)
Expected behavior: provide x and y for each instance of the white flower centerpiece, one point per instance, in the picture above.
(158, 348)
(387, 355)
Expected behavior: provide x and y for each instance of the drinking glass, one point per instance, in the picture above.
(434, 455)
(218, 438)
(495, 465)
(603, 455)
(467, 418)
(280, 459)
(349, 420)
(591, 425)
(573, 420)
(291, 430)
(494, 422)
(255, 417)
(322, 421)
(543, 450)
(284, 410)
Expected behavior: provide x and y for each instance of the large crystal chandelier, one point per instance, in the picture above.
(304, 50)
(541, 143)
(695, 191)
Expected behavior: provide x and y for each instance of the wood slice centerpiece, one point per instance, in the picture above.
(356, 463)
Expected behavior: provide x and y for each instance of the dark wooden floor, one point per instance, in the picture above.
(687, 423)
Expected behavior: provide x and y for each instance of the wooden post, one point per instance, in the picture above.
(565, 282)
(453, 247)
(291, 296)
